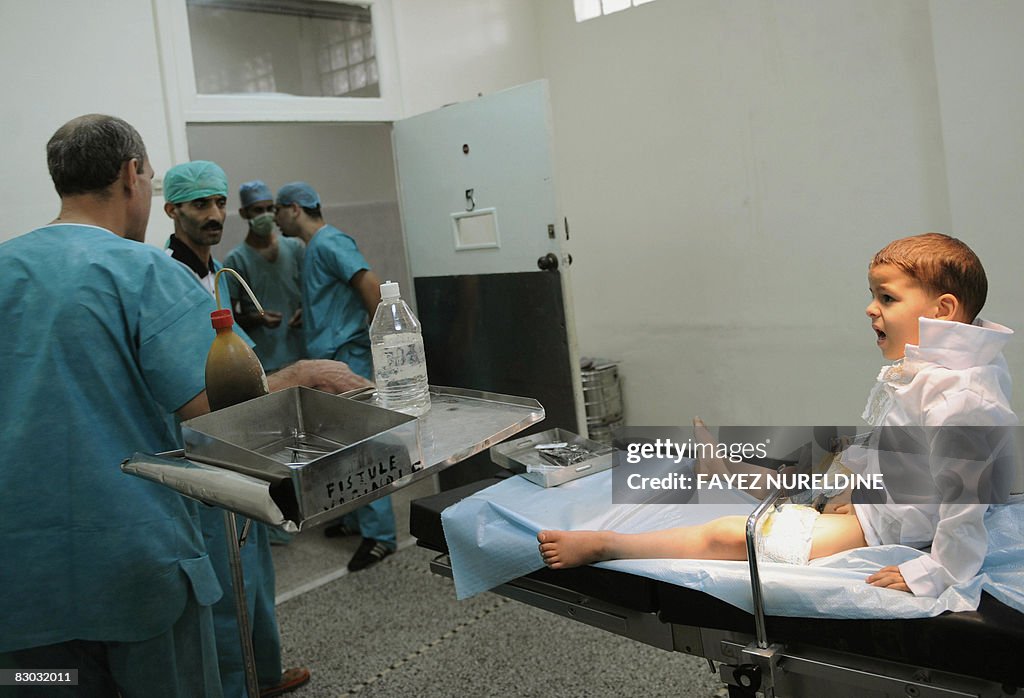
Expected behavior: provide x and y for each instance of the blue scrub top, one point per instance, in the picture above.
(334, 318)
(222, 284)
(278, 286)
(104, 338)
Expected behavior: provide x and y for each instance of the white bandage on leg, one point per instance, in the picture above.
(785, 534)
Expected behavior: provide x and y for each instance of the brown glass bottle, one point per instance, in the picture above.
(233, 373)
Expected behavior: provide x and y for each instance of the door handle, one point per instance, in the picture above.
(548, 262)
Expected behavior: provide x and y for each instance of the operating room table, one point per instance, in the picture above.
(972, 653)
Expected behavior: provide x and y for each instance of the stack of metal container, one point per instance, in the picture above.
(602, 398)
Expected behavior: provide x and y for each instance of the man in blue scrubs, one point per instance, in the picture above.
(272, 266)
(105, 338)
(196, 199)
(339, 293)
(195, 196)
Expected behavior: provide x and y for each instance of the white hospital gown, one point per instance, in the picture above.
(957, 376)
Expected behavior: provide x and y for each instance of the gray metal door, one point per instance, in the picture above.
(479, 213)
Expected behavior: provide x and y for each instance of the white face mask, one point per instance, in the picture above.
(262, 224)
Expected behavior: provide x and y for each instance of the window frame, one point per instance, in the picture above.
(183, 97)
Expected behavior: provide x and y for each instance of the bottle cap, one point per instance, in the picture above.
(388, 290)
(221, 318)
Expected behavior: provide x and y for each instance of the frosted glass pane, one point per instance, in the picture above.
(355, 51)
(341, 85)
(339, 56)
(358, 77)
(293, 48)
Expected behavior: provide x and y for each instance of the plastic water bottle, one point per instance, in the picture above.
(399, 366)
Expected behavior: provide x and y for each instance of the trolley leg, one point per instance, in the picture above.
(241, 607)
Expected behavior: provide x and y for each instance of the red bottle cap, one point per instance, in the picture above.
(221, 318)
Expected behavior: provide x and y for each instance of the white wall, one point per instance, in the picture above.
(979, 56)
(61, 60)
(729, 168)
(453, 50)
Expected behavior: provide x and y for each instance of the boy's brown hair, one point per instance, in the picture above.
(941, 264)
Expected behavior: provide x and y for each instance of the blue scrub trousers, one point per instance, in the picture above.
(258, 572)
(377, 519)
(180, 663)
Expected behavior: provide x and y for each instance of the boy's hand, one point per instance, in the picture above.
(840, 504)
(889, 577)
(843, 509)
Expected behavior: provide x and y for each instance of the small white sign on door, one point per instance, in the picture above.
(475, 230)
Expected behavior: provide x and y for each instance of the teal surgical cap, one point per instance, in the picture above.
(254, 191)
(298, 193)
(194, 180)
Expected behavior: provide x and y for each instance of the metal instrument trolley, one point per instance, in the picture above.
(300, 457)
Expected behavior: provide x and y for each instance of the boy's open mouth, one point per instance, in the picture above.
(879, 333)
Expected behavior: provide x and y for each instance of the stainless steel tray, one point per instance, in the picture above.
(253, 479)
(332, 450)
(522, 456)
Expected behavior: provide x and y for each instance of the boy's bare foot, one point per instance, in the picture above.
(561, 549)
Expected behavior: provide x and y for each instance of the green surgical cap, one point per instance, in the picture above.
(194, 180)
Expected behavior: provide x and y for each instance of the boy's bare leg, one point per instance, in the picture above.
(720, 539)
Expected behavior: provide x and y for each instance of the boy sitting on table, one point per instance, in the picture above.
(949, 371)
